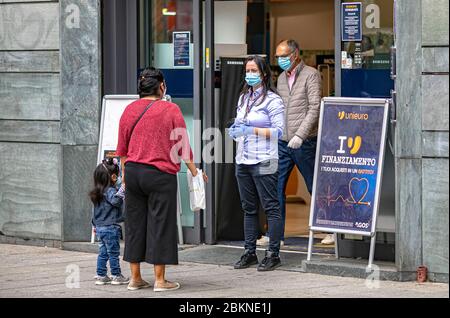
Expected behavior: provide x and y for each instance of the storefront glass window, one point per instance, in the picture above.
(165, 18)
(373, 51)
(170, 16)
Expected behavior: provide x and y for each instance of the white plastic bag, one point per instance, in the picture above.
(197, 195)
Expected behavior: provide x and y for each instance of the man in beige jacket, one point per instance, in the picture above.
(300, 87)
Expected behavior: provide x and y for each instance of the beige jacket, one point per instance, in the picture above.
(302, 104)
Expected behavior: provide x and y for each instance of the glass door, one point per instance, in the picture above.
(170, 39)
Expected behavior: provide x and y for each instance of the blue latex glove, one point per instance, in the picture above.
(231, 130)
(240, 131)
(237, 123)
(240, 122)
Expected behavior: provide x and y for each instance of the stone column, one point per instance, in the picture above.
(435, 128)
(408, 139)
(422, 137)
(80, 38)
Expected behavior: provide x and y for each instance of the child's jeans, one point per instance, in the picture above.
(109, 249)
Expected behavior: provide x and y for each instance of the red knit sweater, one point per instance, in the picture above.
(160, 139)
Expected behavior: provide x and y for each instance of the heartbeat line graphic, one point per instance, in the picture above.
(347, 202)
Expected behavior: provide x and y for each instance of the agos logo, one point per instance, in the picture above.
(352, 116)
(353, 144)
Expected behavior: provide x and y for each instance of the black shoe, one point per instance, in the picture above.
(270, 262)
(246, 261)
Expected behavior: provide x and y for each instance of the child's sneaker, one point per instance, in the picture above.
(119, 280)
(102, 280)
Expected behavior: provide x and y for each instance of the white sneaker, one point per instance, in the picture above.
(263, 241)
(281, 243)
(328, 240)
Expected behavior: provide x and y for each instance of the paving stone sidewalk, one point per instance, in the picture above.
(44, 272)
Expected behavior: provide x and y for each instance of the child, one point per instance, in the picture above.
(107, 215)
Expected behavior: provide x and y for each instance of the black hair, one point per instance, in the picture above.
(149, 82)
(102, 179)
(266, 73)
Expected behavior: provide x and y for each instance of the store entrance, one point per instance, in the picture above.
(200, 46)
(365, 72)
(258, 27)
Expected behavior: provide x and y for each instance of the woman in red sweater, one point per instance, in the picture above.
(152, 142)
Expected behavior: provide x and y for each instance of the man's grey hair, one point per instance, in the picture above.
(292, 44)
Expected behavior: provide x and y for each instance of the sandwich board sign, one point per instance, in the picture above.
(349, 167)
(112, 110)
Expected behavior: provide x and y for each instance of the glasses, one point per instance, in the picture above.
(286, 55)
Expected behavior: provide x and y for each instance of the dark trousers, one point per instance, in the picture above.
(151, 216)
(304, 158)
(258, 183)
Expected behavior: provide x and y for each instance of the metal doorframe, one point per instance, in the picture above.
(194, 235)
(209, 120)
(337, 48)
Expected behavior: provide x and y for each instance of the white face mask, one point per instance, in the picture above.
(165, 89)
(166, 97)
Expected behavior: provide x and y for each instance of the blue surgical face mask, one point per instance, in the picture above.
(285, 63)
(253, 79)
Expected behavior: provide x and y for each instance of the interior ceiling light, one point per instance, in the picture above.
(166, 11)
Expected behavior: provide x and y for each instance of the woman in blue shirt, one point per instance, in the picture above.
(258, 126)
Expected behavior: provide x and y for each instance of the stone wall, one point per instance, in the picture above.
(422, 86)
(435, 128)
(30, 150)
(50, 97)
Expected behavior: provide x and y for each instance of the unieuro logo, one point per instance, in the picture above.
(353, 144)
(352, 116)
